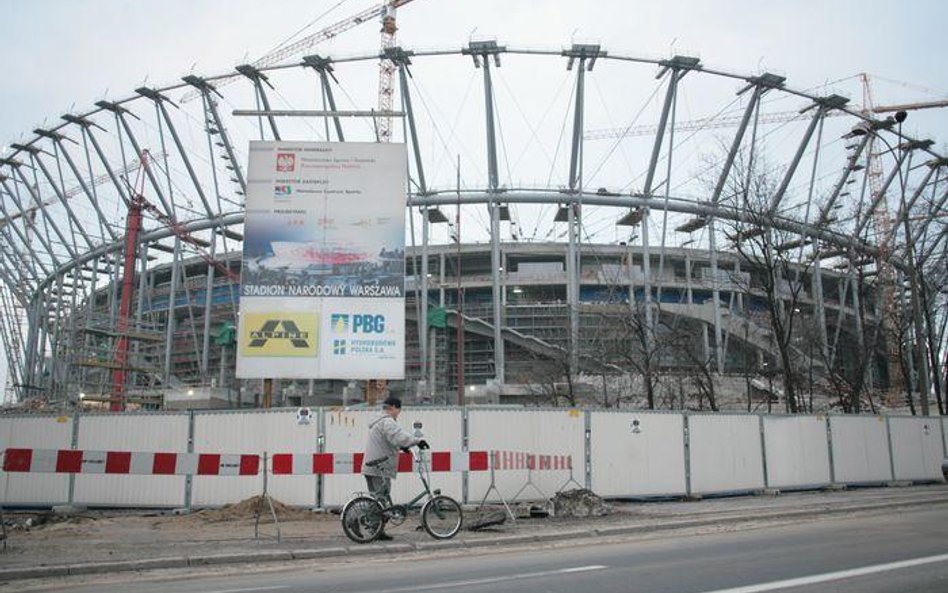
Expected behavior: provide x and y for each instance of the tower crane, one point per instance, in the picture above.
(385, 10)
(375, 388)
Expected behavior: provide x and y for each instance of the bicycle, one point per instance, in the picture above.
(364, 516)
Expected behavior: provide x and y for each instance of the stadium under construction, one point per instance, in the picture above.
(766, 246)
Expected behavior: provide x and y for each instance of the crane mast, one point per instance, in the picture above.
(386, 74)
(298, 47)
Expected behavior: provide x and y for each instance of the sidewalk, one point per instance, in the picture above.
(102, 542)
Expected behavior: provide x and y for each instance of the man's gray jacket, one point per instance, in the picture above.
(386, 438)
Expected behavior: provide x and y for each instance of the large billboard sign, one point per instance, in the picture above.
(323, 278)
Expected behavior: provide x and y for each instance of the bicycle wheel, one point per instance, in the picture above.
(362, 519)
(442, 517)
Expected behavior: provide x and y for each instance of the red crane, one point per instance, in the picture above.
(137, 205)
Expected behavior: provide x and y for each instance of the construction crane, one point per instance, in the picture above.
(75, 191)
(133, 228)
(375, 388)
(296, 48)
(708, 123)
(886, 228)
(911, 106)
(182, 233)
(387, 73)
(137, 205)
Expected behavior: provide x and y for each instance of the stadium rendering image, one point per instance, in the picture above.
(583, 225)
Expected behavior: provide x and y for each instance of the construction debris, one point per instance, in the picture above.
(579, 503)
(484, 519)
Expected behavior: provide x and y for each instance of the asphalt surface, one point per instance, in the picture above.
(895, 551)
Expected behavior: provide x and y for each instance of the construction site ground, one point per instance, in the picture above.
(103, 541)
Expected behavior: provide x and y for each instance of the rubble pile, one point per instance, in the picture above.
(485, 519)
(579, 503)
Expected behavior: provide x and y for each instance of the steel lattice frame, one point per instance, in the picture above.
(63, 191)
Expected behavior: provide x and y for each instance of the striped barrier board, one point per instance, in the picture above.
(71, 461)
(351, 463)
(513, 460)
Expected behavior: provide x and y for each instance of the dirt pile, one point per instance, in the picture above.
(248, 509)
(579, 503)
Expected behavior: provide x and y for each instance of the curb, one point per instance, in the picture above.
(13, 574)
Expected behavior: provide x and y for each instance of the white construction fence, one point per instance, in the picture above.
(212, 458)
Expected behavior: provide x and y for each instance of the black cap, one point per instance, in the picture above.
(393, 402)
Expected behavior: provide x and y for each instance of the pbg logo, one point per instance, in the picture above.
(286, 162)
(339, 323)
(368, 324)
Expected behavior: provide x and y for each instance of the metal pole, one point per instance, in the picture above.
(184, 157)
(423, 189)
(120, 115)
(801, 149)
(749, 112)
(495, 238)
(574, 218)
(423, 322)
(208, 298)
(170, 321)
(460, 297)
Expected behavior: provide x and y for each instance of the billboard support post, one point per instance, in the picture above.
(267, 393)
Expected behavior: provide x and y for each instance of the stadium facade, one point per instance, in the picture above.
(778, 243)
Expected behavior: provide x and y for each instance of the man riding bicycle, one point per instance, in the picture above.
(386, 438)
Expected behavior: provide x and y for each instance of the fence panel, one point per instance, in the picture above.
(41, 432)
(725, 453)
(916, 448)
(270, 431)
(560, 432)
(346, 432)
(860, 449)
(649, 461)
(132, 432)
(797, 451)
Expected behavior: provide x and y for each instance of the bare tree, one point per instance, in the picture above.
(697, 366)
(549, 382)
(775, 274)
(627, 338)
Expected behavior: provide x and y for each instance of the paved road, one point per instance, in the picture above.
(861, 554)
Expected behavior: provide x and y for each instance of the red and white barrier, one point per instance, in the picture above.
(351, 463)
(513, 460)
(71, 461)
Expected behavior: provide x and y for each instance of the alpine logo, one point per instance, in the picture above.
(269, 331)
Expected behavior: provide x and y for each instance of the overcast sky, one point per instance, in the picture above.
(63, 55)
